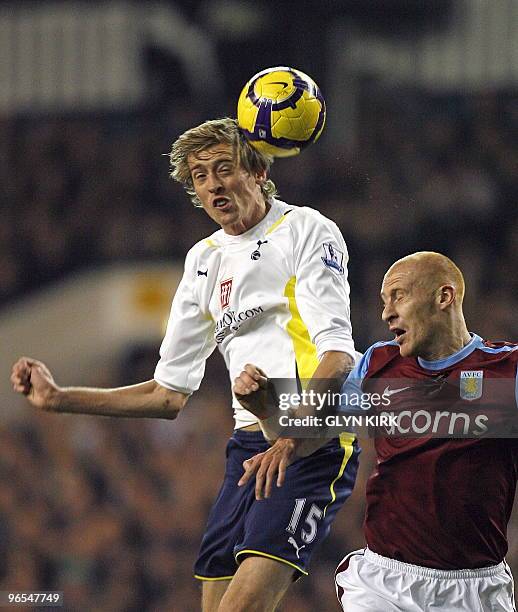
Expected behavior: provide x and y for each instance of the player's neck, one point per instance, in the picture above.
(256, 215)
(448, 343)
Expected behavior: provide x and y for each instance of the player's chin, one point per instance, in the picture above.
(225, 216)
(217, 213)
(406, 348)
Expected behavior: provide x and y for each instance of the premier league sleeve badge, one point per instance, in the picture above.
(333, 258)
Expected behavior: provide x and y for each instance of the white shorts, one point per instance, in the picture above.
(367, 581)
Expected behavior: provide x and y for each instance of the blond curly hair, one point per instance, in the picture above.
(208, 134)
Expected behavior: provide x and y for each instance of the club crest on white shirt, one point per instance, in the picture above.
(225, 288)
(471, 384)
(256, 254)
(333, 258)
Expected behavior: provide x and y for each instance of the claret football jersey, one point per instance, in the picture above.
(442, 491)
(276, 296)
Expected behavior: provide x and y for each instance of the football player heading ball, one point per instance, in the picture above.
(269, 286)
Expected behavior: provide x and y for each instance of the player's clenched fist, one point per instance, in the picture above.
(34, 380)
(255, 393)
(250, 380)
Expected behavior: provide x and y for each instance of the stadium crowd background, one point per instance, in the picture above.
(111, 511)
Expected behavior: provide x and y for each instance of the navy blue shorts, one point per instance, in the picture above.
(287, 526)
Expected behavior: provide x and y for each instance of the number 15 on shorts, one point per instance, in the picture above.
(310, 525)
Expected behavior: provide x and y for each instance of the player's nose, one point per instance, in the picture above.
(214, 184)
(388, 314)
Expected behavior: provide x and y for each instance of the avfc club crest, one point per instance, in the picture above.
(225, 288)
(333, 258)
(471, 384)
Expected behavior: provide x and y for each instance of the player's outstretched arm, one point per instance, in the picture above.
(33, 379)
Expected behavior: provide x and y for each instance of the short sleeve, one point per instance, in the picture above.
(322, 289)
(189, 338)
(352, 388)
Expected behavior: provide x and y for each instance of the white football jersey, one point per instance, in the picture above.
(276, 296)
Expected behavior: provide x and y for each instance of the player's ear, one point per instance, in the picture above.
(446, 296)
(260, 177)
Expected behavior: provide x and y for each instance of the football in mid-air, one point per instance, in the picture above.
(281, 111)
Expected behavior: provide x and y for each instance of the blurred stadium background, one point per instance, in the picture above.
(420, 152)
